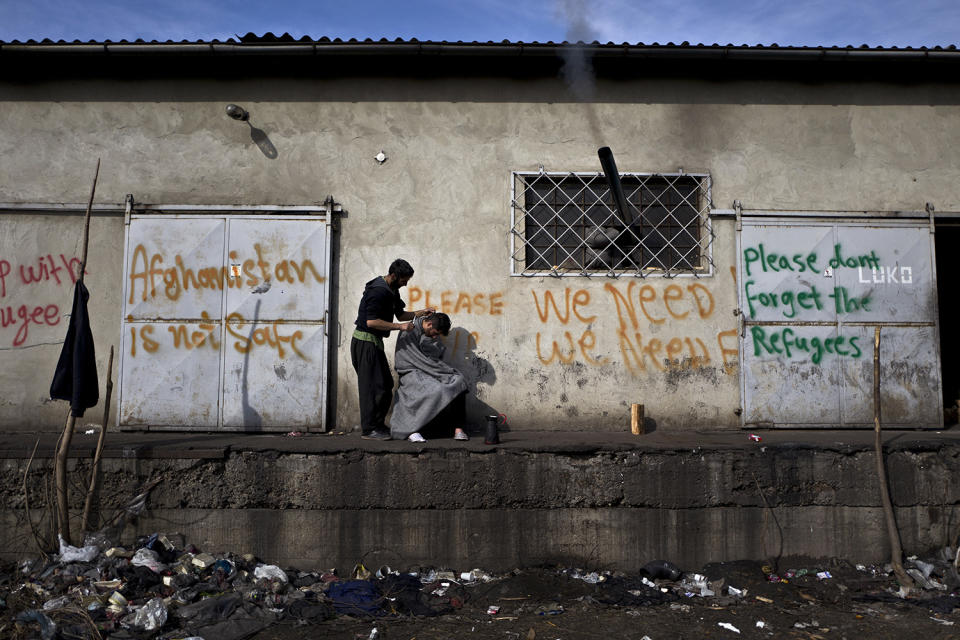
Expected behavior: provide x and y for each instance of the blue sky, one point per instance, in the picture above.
(793, 22)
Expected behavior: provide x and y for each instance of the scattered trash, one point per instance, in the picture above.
(662, 570)
(160, 587)
(551, 609)
(48, 627)
(149, 559)
(755, 437)
(89, 432)
(204, 560)
(355, 597)
(476, 574)
(297, 434)
(56, 603)
(925, 581)
(590, 578)
(118, 603)
(360, 572)
(270, 572)
(151, 616)
(926, 568)
(695, 584)
(74, 554)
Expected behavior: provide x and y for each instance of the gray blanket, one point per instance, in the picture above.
(427, 383)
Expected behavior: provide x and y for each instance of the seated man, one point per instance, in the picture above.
(429, 387)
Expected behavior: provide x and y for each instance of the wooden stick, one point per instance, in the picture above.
(60, 477)
(893, 535)
(86, 222)
(95, 467)
(60, 463)
(636, 419)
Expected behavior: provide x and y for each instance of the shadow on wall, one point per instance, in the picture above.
(252, 420)
(461, 355)
(263, 143)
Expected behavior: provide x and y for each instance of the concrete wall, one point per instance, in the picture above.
(441, 200)
(501, 509)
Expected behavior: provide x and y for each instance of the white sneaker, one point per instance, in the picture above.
(416, 437)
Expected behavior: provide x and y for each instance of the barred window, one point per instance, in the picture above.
(568, 224)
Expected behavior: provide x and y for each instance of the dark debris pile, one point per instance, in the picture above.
(164, 589)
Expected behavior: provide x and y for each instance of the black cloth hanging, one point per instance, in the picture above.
(75, 379)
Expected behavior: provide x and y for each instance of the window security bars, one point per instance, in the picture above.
(566, 224)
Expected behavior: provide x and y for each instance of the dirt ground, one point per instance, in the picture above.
(549, 604)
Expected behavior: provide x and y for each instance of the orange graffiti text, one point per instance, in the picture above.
(571, 303)
(567, 353)
(267, 335)
(148, 271)
(675, 302)
(458, 301)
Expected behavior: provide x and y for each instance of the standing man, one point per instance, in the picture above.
(381, 302)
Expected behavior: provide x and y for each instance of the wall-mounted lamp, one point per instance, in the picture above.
(237, 112)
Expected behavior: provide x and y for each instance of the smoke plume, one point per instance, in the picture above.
(577, 70)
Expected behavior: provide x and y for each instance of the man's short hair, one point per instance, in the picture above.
(401, 268)
(440, 322)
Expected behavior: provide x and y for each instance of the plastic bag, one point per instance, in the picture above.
(48, 628)
(662, 570)
(149, 559)
(56, 603)
(270, 572)
(97, 539)
(151, 616)
(69, 553)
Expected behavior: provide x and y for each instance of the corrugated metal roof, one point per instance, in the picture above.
(285, 38)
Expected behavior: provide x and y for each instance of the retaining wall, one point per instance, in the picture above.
(606, 505)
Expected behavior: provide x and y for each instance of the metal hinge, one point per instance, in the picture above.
(331, 206)
(128, 209)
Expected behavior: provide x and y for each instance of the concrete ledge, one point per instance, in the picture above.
(126, 444)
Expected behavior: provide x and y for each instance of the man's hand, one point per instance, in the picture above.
(406, 326)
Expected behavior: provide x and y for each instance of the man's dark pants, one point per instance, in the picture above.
(452, 416)
(375, 383)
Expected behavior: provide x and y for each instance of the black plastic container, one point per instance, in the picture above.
(492, 433)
